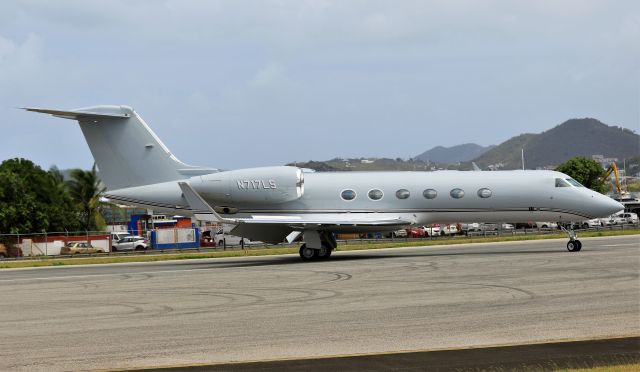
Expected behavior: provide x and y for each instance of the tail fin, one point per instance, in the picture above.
(125, 149)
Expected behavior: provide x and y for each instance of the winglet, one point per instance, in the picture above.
(200, 208)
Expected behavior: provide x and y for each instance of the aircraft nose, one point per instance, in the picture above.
(608, 206)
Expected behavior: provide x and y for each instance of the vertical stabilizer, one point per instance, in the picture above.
(125, 149)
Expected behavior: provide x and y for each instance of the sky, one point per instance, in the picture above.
(234, 84)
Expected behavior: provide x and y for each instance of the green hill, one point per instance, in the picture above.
(454, 154)
(574, 137)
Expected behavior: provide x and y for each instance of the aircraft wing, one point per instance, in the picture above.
(274, 229)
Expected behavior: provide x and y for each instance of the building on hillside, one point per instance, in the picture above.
(604, 162)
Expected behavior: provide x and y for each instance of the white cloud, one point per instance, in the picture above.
(20, 61)
(7, 48)
(272, 73)
(287, 67)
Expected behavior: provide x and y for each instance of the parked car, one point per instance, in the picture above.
(432, 229)
(614, 219)
(587, 224)
(524, 225)
(402, 233)
(79, 248)
(115, 236)
(628, 217)
(448, 229)
(207, 239)
(130, 243)
(468, 227)
(14, 251)
(415, 232)
(545, 225)
(226, 239)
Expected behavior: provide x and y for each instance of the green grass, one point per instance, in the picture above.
(279, 250)
(633, 367)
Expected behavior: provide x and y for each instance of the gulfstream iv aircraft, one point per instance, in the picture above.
(273, 204)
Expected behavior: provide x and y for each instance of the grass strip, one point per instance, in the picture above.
(280, 250)
(633, 367)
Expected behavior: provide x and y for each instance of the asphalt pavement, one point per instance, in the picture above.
(245, 309)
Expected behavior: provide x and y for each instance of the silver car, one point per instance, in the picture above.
(130, 243)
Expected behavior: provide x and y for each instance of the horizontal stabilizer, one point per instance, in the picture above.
(76, 114)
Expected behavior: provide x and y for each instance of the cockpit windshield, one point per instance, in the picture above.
(567, 182)
(574, 182)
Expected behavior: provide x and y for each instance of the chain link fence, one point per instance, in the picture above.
(15, 246)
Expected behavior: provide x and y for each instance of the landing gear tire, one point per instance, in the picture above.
(574, 246)
(324, 252)
(307, 254)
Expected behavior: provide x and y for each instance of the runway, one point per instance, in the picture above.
(266, 308)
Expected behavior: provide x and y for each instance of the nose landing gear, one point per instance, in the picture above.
(574, 245)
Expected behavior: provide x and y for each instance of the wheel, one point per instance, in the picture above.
(585, 226)
(307, 254)
(572, 245)
(324, 252)
(139, 248)
(99, 251)
(221, 243)
(578, 245)
(114, 249)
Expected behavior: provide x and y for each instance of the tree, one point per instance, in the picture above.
(64, 214)
(32, 200)
(586, 171)
(86, 190)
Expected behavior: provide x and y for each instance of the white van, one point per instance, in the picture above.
(115, 236)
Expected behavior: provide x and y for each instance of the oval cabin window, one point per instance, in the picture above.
(457, 193)
(375, 194)
(402, 194)
(348, 194)
(484, 193)
(430, 193)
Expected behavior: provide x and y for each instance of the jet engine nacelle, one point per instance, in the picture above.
(255, 185)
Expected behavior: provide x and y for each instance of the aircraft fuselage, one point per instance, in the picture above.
(419, 197)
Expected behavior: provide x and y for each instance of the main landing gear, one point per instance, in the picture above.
(574, 245)
(317, 246)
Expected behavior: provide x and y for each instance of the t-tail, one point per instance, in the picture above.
(125, 149)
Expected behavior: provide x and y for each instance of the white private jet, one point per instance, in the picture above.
(273, 204)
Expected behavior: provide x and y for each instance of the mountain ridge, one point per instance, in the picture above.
(573, 137)
(453, 154)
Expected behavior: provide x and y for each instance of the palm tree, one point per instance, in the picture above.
(86, 190)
